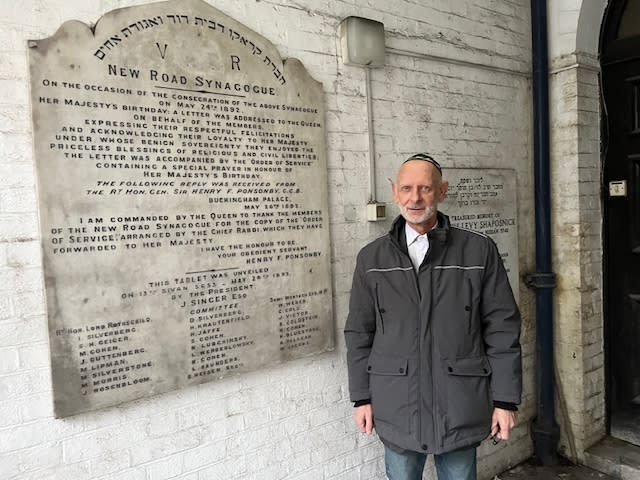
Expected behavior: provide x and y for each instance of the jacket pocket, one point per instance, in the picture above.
(469, 405)
(389, 388)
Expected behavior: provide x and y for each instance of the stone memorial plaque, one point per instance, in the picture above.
(182, 188)
(485, 200)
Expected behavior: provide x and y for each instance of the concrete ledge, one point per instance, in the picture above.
(620, 460)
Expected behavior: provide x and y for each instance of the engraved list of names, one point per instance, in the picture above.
(183, 203)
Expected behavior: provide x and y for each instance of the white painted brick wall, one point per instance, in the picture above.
(292, 421)
(577, 248)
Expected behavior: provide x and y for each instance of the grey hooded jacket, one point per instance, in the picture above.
(433, 350)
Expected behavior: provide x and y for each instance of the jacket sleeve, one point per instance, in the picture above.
(359, 332)
(501, 330)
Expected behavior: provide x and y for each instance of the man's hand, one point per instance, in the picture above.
(502, 422)
(363, 416)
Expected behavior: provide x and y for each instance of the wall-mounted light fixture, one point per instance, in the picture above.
(362, 43)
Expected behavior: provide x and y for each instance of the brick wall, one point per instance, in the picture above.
(577, 247)
(577, 223)
(456, 83)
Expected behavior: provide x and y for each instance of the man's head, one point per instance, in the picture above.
(418, 190)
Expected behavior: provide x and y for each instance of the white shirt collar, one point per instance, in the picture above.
(411, 234)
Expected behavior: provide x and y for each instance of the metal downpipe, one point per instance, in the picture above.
(544, 430)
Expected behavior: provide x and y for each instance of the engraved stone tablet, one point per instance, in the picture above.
(182, 187)
(485, 200)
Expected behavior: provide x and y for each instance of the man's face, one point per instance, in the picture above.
(418, 190)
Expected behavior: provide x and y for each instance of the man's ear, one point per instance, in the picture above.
(444, 187)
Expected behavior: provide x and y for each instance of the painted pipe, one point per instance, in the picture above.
(544, 429)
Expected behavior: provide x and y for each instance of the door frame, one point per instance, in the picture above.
(612, 51)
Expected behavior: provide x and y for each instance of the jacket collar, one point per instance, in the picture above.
(440, 233)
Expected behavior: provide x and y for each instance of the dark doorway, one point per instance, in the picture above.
(620, 60)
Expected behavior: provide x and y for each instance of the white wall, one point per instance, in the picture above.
(456, 84)
(574, 30)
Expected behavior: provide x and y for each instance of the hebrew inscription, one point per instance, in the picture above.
(485, 200)
(183, 203)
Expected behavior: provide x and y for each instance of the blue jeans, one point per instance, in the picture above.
(457, 465)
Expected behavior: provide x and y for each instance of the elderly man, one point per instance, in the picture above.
(432, 335)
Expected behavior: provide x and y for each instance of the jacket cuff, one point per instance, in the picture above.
(505, 405)
(359, 403)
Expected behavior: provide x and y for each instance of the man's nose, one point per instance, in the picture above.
(415, 195)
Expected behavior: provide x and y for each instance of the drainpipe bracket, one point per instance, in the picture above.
(539, 280)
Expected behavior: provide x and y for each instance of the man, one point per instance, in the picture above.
(432, 335)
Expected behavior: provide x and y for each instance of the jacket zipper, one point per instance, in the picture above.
(417, 287)
(434, 418)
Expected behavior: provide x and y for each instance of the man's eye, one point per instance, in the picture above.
(405, 188)
(425, 188)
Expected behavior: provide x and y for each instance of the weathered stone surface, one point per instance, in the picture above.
(485, 200)
(183, 203)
